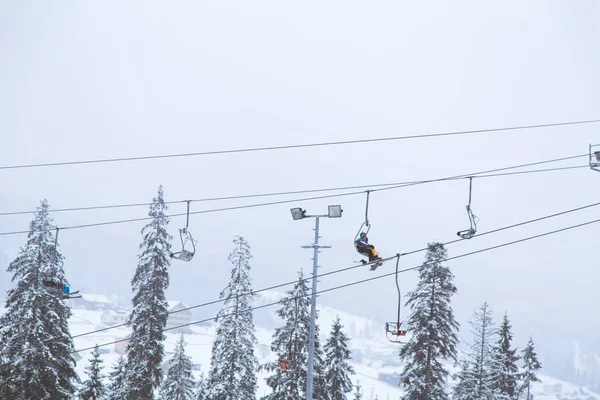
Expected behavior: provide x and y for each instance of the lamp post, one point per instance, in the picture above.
(298, 213)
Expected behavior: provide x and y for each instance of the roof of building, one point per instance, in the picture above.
(174, 303)
(96, 298)
(117, 312)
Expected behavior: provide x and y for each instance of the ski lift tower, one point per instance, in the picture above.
(298, 214)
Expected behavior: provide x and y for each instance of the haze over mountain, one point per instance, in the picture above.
(90, 81)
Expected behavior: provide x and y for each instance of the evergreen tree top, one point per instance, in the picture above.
(530, 358)
(93, 388)
(41, 254)
(358, 395)
(36, 345)
(232, 373)
(179, 384)
(433, 329)
(239, 286)
(148, 318)
(337, 368)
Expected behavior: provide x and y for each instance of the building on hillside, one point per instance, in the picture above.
(122, 343)
(553, 389)
(89, 301)
(390, 374)
(114, 317)
(177, 317)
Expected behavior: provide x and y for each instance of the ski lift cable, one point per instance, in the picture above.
(358, 282)
(294, 146)
(481, 174)
(213, 302)
(245, 206)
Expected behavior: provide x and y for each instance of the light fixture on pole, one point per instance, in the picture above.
(333, 211)
(298, 213)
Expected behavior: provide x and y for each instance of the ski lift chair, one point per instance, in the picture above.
(395, 332)
(60, 289)
(283, 365)
(186, 241)
(595, 158)
(469, 233)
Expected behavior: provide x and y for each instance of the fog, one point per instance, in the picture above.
(96, 80)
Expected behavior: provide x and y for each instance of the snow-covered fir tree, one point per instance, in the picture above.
(358, 394)
(200, 393)
(116, 387)
(480, 374)
(290, 343)
(320, 391)
(93, 387)
(337, 368)
(433, 329)
(36, 347)
(179, 384)
(233, 365)
(506, 359)
(531, 365)
(465, 388)
(145, 350)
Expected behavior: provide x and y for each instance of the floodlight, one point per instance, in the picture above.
(335, 211)
(297, 213)
(597, 154)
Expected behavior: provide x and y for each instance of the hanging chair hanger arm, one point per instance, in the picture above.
(398, 288)
(187, 221)
(470, 189)
(367, 209)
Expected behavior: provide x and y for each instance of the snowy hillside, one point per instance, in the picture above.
(375, 359)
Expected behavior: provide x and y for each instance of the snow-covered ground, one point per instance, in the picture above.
(376, 361)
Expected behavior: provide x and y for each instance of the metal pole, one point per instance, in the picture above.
(313, 311)
(313, 314)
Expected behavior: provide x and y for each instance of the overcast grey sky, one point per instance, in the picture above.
(86, 80)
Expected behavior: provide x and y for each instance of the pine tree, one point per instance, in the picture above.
(506, 359)
(337, 369)
(201, 388)
(35, 343)
(179, 384)
(116, 388)
(93, 388)
(433, 328)
(148, 318)
(358, 395)
(466, 388)
(290, 343)
(232, 373)
(320, 388)
(531, 365)
(480, 374)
